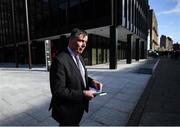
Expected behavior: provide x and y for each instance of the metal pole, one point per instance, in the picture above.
(14, 35)
(48, 54)
(28, 35)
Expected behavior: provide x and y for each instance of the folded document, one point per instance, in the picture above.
(100, 93)
(97, 92)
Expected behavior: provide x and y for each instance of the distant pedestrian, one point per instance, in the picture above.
(69, 82)
(176, 55)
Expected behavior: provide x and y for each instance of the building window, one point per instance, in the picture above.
(74, 11)
(87, 10)
(63, 12)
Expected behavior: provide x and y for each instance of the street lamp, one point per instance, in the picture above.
(28, 35)
(14, 35)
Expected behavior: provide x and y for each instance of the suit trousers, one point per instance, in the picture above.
(72, 118)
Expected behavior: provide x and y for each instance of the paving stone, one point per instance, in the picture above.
(19, 120)
(121, 106)
(28, 94)
(48, 122)
(38, 100)
(2, 117)
(127, 97)
(89, 122)
(38, 113)
(15, 98)
(110, 117)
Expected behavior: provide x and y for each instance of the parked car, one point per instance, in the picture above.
(152, 53)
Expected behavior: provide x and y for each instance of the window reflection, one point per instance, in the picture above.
(87, 9)
(51, 17)
(63, 12)
(74, 10)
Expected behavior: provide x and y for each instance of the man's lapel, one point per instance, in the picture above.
(77, 69)
(73, 63)
(86, 77)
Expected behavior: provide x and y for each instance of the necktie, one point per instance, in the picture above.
(81, 69)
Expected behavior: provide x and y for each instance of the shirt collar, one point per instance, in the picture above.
(72, 52)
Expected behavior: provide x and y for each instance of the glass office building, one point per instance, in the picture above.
(118, 29)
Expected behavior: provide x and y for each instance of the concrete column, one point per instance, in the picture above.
(127, 18)
(123, 13)
(129, 49)
(142, 50)
(137, 50)
(113, 47)
(113, 36)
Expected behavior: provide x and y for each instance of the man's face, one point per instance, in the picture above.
(79, 44)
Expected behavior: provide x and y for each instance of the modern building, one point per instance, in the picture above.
(153, 31)
(118, 29)
(166, 43)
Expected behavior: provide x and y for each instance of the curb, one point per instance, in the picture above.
(137, 113)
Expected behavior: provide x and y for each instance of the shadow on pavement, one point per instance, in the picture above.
(30, 108)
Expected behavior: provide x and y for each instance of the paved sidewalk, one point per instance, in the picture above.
(25, 95)
(160, 104)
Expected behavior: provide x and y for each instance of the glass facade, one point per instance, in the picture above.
(121, 53)
(133, 15)
(53, 18)
(97, 51)
(46, 18)
(12, 27)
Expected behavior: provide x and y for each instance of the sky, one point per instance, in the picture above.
(168, 17)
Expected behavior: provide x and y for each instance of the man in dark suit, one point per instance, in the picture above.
(69, 82)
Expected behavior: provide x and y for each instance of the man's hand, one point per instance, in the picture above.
(97, 85)
(89, 94)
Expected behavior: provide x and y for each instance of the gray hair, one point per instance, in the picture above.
(76, 32)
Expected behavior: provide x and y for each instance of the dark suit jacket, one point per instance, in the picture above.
(66, 83)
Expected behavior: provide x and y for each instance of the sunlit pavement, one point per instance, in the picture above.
(25, 94)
